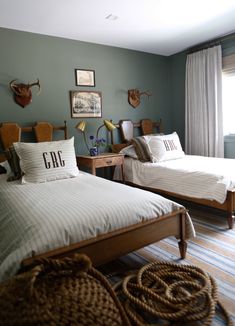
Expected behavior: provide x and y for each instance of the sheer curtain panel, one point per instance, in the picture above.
(203, 103)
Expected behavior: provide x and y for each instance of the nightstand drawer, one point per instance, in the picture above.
(108, 161)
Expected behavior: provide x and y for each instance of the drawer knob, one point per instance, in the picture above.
(109, 162)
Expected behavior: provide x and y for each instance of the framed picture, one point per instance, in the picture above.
(86, 104)
(85, 77)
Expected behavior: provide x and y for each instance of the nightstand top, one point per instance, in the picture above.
(102, 155)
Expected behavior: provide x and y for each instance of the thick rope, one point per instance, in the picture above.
(60, 293)
(171, 292)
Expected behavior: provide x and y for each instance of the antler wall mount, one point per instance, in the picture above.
(23, 93)
(134, 96)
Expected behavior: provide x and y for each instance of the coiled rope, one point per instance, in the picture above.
(176, 293)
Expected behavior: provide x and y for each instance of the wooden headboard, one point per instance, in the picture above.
(11, 132)
(127, 127)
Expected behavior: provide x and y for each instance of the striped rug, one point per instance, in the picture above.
(213, 250)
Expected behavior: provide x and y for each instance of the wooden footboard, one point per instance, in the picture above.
(109, 246)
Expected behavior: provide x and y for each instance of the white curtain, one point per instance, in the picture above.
(203, 103)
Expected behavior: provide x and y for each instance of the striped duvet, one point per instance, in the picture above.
(192, 176)
(41, 217)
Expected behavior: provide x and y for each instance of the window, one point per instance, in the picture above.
(229, 104)
(229, 94)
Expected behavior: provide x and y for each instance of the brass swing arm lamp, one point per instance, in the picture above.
(109, 126)
(81, 126)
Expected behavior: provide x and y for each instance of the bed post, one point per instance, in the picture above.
(230, 208)
(230, 220)
(182, 243)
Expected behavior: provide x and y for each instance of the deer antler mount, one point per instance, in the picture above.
(23, 93)
(134, 96)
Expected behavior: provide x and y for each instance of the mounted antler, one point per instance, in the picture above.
(134, 96)
(146, 93)
(22, 92)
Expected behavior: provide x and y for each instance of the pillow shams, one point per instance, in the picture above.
(47, 161)
(14, 164)
(129, 151)
(141, 148)
(164, 148)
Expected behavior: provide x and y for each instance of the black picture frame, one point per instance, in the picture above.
(85, 77)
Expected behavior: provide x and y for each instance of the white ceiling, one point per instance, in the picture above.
(155, 26)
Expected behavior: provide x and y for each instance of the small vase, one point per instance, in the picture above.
(93, 151)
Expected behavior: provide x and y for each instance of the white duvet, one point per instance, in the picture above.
(35, 218)
(192, 176)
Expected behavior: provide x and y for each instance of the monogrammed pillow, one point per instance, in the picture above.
(47, 161)
(164, 148)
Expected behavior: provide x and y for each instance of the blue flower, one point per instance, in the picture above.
(97, 142)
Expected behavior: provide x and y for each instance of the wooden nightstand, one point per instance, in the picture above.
(101, 161)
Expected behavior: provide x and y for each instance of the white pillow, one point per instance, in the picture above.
(164, 148)
(47, 161)
(129, 151)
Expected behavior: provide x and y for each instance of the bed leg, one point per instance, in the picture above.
(230, 219)
(182, 243)
(182, 248)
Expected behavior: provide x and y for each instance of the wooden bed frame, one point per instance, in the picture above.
(146, 126)
(109, 246)
(106, 247)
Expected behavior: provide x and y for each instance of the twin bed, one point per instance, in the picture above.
(203, 180)
(48, 214)
(43, 214)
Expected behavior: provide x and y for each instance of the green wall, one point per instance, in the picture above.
(27, 56)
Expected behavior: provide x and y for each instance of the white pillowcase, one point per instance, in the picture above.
(129, 151)
(47, 161)
(164, 148)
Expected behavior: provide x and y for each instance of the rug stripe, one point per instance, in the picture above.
(193, 259)
(214, 237)
(213, 257)
(213, 227)
(213, 250)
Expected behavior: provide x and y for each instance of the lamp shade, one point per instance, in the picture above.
(109, 125)
(81, 126)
